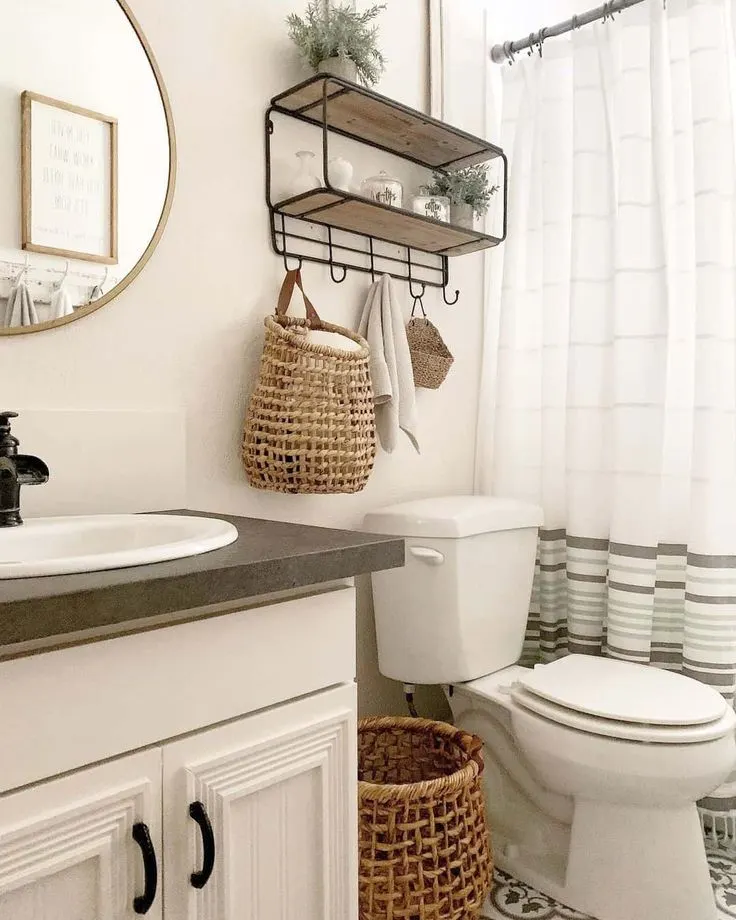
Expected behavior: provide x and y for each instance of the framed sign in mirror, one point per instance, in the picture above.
(69, 176)
(87, 163)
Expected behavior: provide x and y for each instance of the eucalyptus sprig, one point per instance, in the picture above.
(471, 185)
(339, 31)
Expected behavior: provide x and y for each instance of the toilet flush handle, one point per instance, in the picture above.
(430, 556)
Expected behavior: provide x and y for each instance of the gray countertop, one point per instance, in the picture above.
(267, 557)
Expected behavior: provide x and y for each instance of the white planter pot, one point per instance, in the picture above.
(461, 215)
(339, 67)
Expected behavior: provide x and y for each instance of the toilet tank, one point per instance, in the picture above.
(458, 608)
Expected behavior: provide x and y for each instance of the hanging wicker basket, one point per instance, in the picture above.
(310, 425)
(431, 359)
(424, 845)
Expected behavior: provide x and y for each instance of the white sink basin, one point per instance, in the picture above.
(64, 545)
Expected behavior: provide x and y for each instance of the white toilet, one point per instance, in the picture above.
(593, 766)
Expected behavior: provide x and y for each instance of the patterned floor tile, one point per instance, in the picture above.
(512, 900)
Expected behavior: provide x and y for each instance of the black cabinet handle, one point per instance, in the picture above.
(142, 836)
(198, 812)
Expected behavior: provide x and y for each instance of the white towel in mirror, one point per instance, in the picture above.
(61, 303)
(20, 310)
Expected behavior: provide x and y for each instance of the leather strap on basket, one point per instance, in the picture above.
(287, 290)
(475, 749)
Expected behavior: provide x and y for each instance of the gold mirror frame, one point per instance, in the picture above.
(160, 227)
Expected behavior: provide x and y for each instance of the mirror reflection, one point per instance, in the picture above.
(85, 160)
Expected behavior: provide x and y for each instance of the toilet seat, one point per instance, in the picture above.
(622, 700)
(624, 731)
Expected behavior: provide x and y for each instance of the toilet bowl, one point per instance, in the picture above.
(597, 811)
(593, 765)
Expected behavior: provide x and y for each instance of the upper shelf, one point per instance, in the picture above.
(366, 116)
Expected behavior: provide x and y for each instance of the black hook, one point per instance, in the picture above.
(454, 300)
(411, 280)
(332, 273)
(331, 262)
(373, 265)
(421, 292)
(288, 256)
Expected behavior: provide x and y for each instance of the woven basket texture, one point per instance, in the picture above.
(310, 425)
(424, 845)
(431, 359)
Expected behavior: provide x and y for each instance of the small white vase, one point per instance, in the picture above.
(461, 215)
(340, 173)
(304, 179)
(339, 67)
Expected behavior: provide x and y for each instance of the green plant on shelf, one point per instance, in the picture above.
(471, 185)
(338, 31)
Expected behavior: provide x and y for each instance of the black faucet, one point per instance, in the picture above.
(16, 470)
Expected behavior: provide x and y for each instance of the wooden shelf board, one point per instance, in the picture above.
(344, 211)
(366, 116)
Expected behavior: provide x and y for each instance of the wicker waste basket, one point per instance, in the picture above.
(424, 845)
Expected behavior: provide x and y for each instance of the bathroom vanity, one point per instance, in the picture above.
(179, 739)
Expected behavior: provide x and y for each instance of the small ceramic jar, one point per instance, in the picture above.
(384, 189)
(435, 206)
(341, 173)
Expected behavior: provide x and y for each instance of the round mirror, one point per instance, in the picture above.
(87, 159)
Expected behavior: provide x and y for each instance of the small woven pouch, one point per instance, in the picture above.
(431, 359)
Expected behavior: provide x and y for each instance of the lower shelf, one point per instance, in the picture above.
(345, 211)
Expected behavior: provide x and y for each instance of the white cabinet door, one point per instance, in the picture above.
(279, 789)
(67, 848)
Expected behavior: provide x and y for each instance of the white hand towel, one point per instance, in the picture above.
(382, 324)
(20, 310)
(61, 303)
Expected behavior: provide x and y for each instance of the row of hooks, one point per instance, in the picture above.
(416, 293)
(27, 267)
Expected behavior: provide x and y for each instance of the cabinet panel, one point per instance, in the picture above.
(66, 846)
(280, 790)
(213, 670)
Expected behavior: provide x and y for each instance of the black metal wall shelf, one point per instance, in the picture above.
(338, 106)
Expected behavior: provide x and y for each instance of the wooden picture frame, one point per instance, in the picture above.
(62, 161)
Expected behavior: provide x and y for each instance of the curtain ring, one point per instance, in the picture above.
(542, 39)
(575, 23)
(508, 50)
(530, 52)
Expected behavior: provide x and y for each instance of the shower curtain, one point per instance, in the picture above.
(609, 381)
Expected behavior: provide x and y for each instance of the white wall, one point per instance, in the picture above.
(187, 334)
(86, 54)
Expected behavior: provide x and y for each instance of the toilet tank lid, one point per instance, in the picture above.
(453, 516)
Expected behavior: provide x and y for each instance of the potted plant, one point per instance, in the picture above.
(336, 39)
(469, 190)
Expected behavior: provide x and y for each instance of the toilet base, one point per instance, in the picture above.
(625, 863)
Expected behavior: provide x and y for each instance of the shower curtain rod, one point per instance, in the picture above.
(506, 51)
